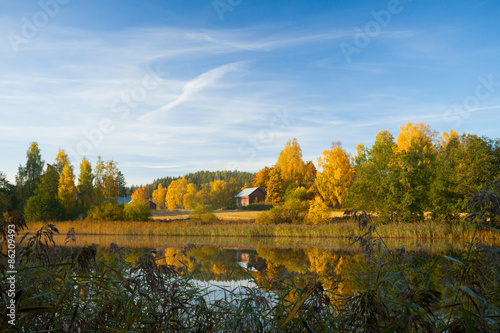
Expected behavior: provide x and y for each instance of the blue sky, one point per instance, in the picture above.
(170, 87)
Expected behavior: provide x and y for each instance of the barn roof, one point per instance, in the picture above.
(246, 192)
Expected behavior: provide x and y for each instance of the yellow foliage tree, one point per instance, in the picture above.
(260, 178)
(221, 194)
(175, 193)
(140, 194)
(61, 160)
(336, 176)
(318, 213)
(290, 163)
(417, 139)
(85, 184)
(275, 187)
(190, 200)
(66, 191)
(445, 140)
(159, 196)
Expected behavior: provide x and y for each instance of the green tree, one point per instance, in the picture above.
(137, 210)
(416, 155)
(29, 175)
(106, 181)
(122, 183)
(373, 188)
(8, 200)
(44, 204)
(464, 165)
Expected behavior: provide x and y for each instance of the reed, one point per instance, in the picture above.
(236, 228)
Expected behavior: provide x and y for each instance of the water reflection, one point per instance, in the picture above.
(226, 264)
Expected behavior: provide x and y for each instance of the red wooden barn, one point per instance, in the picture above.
(250, 195)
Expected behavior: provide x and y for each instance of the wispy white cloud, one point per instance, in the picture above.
(192, 87)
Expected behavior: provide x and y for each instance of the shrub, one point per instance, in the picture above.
(293, 212)
(318, 213)
(43, 208)
(294, 191)
(106, 211)
(256, 207)
(137, 210)
(204, 213)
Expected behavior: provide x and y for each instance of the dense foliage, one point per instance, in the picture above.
(401, 181)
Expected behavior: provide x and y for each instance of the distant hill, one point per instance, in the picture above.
(203, 177)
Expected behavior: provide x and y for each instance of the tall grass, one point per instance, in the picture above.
(226, 228)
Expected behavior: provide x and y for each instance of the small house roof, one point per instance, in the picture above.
(246, 192)
(124, 200)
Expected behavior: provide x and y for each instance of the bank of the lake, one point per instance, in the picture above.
(238, 228)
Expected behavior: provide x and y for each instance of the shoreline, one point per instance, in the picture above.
(238, 228)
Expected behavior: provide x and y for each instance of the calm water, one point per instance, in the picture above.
(230, 259)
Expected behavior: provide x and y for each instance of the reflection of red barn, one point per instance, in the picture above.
(250, 195)
(244, 259)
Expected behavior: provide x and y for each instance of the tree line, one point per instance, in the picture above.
(50, 192)
(417, 175)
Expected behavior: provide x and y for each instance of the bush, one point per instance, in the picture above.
(318, 213)
(204, 213)
(294, 191)
(106, 211)
(137, 210)
(43, 208)
(293, 212)
(256, 207)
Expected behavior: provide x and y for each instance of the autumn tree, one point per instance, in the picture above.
(140, 194)
(159, 196)
(275, 187)
(415, 153)
(191, 198)
(222, 194)
(309, 174)
(67, 190)
(61, 160)
(85, 185)
(290, 163)
(261, 178)
(175, 193)
(336, 176)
